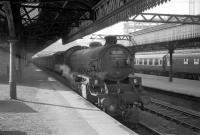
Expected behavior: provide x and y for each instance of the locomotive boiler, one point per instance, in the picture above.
(103, 75)
(109, 62)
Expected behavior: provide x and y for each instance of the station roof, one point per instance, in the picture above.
(38, 23)
(42, 21)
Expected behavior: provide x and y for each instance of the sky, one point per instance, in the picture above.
(171, 7)
(178, 7)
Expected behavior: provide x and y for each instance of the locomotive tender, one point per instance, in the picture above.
(102, 74)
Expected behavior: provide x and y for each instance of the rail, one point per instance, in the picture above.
(187, 119)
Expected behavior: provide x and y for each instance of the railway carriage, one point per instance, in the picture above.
(150, 64)
(185, 65)
(58, 64)
(46, 62)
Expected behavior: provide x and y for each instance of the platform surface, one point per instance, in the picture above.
(46, 107)
(182, 86)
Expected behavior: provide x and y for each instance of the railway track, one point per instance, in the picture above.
(161, 109)
(176, 114)
(150, 129)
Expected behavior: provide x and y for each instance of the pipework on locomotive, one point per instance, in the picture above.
(103, 74)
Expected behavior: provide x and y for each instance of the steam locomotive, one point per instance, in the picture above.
(101, 74)
(185, 65)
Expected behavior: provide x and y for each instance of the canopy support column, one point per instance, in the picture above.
(12, 40)
(171, 51)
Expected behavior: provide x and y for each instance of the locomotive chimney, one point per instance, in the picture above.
(95, 44)
(110, 40)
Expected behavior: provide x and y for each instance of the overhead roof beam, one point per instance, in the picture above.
(36, 1)
(166, 18)
(27, 14)
(107, 13)
(57, 15)
(46, 25)
(2, 13)
(178, 44)
(55, 8)
(119, 37)
(26, 21)
(73, 19)
(63, 6)
(32, 19)
(45, 34)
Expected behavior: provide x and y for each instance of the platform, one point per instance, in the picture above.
(181, 86)
(46, 107)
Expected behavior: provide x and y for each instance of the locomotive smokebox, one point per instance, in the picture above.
(110, 40)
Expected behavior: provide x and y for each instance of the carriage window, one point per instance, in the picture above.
(168, 63)
(160, 62)
(145, 61)
(150, 62)
(196, 61)
(140, 61)
(156, 62)
(185, 61)
(153, 62)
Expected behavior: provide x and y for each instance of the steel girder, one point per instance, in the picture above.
(166, 18)
(178, 44)
(119, 37)
(55, 8)
(110, 12)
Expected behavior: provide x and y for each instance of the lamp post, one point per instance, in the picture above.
(12, 70)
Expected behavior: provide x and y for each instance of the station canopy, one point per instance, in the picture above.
(41, 21)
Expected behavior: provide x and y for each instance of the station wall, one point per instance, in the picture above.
(4, 65)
